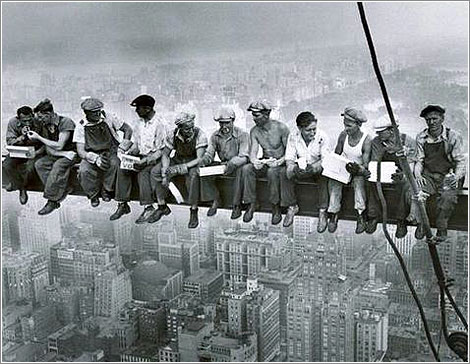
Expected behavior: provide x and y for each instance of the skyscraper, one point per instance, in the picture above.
(112, 291)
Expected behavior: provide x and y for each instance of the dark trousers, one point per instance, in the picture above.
(197, 191)
(288, 194)
(446, 197)
(124, 185)
(19, 171)
(94, 179)
(401, 205)
(54, 173)
(273, 175)
(237, 186)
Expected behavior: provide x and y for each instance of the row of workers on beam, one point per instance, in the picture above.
(436, 157)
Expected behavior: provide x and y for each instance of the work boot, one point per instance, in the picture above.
(248, 216)
(333, 223)
(276, 214)
(291, 212)
(106, 196)
(236, 212)
(402, 229)
(441, 234)
(9, 187)
(419, 232)
(322, 220)
(193, 218)
(213, 209)
(159, 213)
(49, 207)
(23, 197)
(360, 224)
(122, 209)
(95, 201)
(372, 225)
(144, 216)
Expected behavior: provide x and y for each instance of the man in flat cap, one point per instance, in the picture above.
(149, 136)
(232, 145)
(54, 168)
(384, 148)
(353, 144)
(189, 143)
(97, 144)
(271, 135)
(20, 170)
(440, 166)
(304, 151)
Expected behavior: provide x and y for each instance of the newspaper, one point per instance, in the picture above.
(127, 161)
(212, 170)
(334, 167)
(21, 152)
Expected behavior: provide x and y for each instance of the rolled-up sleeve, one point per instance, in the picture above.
(419, 155)
(11, 133)
(458, 155)
(244, 149)
(211, 148)
(79, 134)
(201, 141)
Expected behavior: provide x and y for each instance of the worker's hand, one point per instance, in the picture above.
(70, 155)
(290, 171)
(32, 135)
(363, 171)
(420, 180)
(103, 162)
(272, 162)
(450, 181)
(140, 165)
(125, 145)
(258, 164)
(315, 168)
(177, 170)
(397, 177)
(25, 129)
(205, 160)
(230, 167)
(353, 168)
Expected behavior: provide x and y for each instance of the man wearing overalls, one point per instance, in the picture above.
(353, 144)
(232, 145)
(97, 144)
(441, 165)
(189, 143)
(55, 167)
(149, 136)
(20, 170)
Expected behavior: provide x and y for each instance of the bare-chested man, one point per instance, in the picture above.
(271, 136)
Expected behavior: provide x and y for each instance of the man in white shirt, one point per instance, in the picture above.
(304, 151)
(150, 136)
(97, 144)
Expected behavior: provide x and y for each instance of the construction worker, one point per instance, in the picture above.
(189, 143)
(54, 168)
(440, 166)
(232, 145)
(149, 136)
(384, 148)
(304, 150)
(97, 144)
(355, 145)
(20, 170)
(271, 135)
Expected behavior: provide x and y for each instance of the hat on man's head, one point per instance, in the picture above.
(91, 104)
(354, 114)
(383, 123)
(224, 113)
(260, 105)
(184, 117)
(431, 108)
(44, 106)
(143, 100)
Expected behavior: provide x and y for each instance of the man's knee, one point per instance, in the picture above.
(273, 173)
(41, 164)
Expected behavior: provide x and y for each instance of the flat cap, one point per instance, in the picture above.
(354, 114)
(224, 114)
(383, 123)
(44, 105)
(91, 104)
(143, 100)
(431, 108)
(184, 117)
(260, 105)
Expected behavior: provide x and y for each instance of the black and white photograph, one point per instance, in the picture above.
(234, 181)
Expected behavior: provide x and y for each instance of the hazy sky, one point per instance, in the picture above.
(42, 30)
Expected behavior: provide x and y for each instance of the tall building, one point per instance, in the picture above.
(371, 336)
(113, 290)
(122, 230)
(182, 254)
(263, 318)
(244, 253)
(237, 320)
(38, 233)
(77, 262)
(66, 302)
(404, 245)
(205, 284)
(25, 276)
